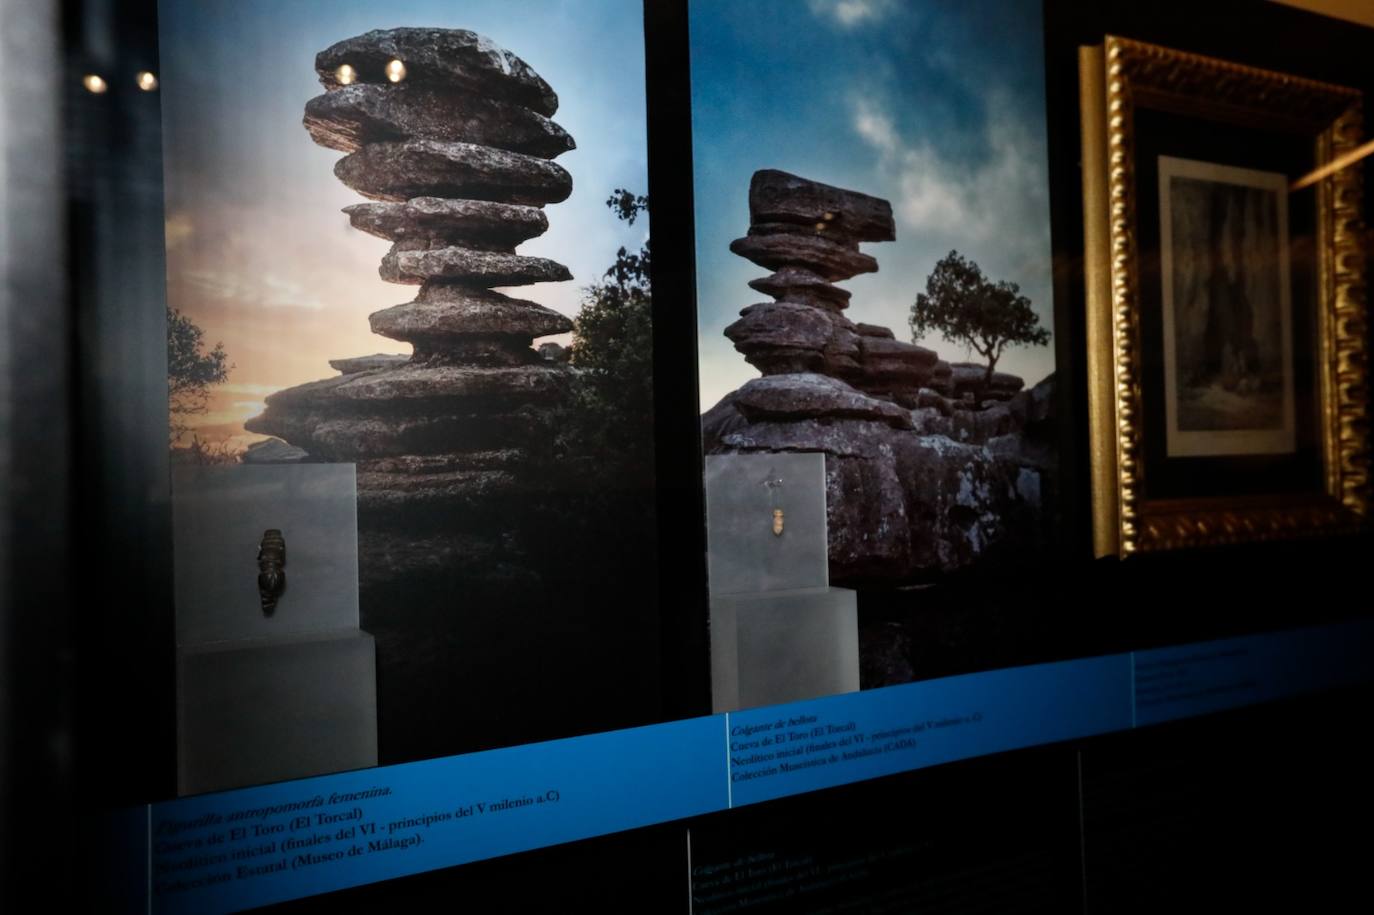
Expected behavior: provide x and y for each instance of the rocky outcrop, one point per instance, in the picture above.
(455, 155)
(779, 398)
(904, 504)
(970, 379)
(928, 469)
(274, 451)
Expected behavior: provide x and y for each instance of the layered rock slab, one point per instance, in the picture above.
(480, 268)
(437, 219)
(448, 313)
(455, 57)
(353, 116)
(397, 170)
(788, 337)
(779, 197)
(797, 284)
(828, 259)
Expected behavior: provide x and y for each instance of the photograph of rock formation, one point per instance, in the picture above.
(930, 467)
(888, 201)
(503, 437)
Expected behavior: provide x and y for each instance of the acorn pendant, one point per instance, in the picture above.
(774, 484)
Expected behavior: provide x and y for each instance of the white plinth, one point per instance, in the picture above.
(783, 646)
(253, 712)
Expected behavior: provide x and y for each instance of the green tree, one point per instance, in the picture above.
(191, 370)
(612, 348)
(966, 307)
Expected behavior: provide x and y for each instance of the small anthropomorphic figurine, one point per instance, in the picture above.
(271, 569)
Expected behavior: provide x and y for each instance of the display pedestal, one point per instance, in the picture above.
(779, 632)
(781, 646)
(273, 709)
(263, 697)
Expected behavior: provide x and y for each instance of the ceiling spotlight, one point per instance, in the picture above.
(346, 75)
(94, 84)
(146, 80)
(395, 71)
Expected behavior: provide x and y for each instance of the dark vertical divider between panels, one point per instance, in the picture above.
(35, 449)
(121, 650)
(681, 500)
(1066, 245)
(123, 612)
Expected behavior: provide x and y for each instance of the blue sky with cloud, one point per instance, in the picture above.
(935, 106)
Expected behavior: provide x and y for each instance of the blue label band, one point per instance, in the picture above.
(254, 846)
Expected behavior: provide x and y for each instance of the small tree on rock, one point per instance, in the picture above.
(191, 370)
(613, 347)
(966, 307)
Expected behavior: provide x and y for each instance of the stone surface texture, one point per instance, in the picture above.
(928, 469)
(368, 363)
(452, 441)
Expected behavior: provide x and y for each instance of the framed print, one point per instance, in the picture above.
(1228, 357)
(1227, 322)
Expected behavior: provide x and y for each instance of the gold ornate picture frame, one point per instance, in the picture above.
(1148, 113)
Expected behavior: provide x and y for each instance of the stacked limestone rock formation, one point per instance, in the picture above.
(449, 137)
(809, 234)
(927, 468)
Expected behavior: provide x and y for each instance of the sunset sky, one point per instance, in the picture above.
(936, 106)
(258, 252)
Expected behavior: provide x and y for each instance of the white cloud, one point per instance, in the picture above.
(849, 13)
(876, 127)
(262, 289)
(992, 200)
(992, 208)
